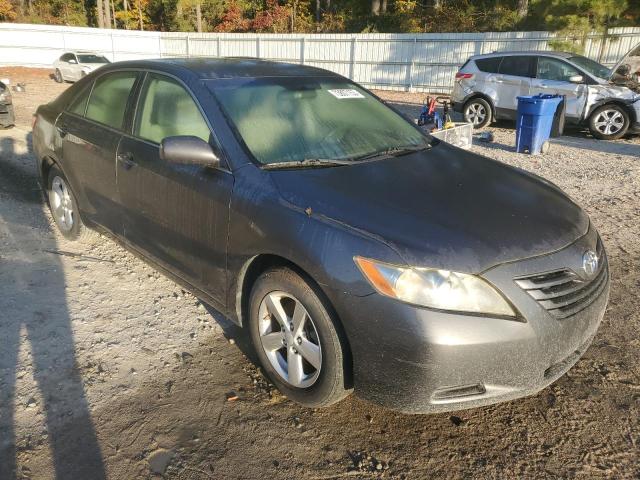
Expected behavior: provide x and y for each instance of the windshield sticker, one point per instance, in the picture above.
(346, 93)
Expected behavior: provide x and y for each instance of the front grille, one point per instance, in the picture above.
(562, 292)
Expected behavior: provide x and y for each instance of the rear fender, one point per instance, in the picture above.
(485, 96)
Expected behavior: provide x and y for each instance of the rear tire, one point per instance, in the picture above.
(303, 353)
(477, 111)
(609, 122)
(64, 207)
(57, 76)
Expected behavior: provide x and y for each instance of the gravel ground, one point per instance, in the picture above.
(110, 370)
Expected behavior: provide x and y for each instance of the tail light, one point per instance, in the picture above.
(463, 76)
(34, 119)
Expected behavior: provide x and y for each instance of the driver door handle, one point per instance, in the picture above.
(62, 132)
(126, 159)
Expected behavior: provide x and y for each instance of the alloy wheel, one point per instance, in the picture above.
(61, 204)
(476, 113)
(609, 122)
(289, 339)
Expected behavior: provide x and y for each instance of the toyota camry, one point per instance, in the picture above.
(359, 253)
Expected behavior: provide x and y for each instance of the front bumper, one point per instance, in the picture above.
(417, 360)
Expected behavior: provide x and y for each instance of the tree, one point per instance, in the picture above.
(522, 8)
(7, 11)
(575, 19)
(233, 19)
(100, 8)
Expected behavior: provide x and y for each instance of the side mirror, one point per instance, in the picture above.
(576, 79)
(188, 150)
(72, 61)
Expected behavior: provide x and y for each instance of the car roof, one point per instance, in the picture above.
(225, 67)
(82, 52)
(548, 53)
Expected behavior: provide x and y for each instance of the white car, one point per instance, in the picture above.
(72, 66)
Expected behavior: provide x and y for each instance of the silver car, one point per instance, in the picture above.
(72, 66)
(605, 100)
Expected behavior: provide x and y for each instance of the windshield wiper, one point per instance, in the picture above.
(393, 152)
(307, 163)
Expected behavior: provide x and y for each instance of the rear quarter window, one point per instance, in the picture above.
(516, 65)
(79, 104)
(109, 98)
(489, 65)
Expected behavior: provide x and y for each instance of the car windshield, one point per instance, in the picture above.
(591, 66)
(313, 120)
(90, 58)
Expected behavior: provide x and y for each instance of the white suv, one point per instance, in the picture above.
(606, 100)
(72, 66)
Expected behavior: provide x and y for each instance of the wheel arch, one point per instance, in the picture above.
(613, 101)
(259, 264)
(45, 166)
(483, 96)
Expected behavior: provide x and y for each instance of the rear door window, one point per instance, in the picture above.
(489, 65)
(516, 65)
(109, 98)
(166, 109)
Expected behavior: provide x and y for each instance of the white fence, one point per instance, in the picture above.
(419, 62)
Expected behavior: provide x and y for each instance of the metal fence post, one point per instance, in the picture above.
(159, 45)
(410, 65)
(258, 47)
(188, 49)
(302, 52)
(352, 64)
(113, 50)
(218, 45)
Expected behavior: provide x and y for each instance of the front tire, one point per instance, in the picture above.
(477, 112)
(64, 207)
(57, 76)
(297, 340)
(609, 122)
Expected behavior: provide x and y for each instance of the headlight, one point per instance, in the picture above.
(433, 288)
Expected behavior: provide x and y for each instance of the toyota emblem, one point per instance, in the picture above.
(590, 263)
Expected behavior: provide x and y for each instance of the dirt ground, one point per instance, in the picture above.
(110, 370)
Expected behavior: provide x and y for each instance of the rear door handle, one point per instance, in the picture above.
(126, 159)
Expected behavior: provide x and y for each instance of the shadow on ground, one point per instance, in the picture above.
(33, 310)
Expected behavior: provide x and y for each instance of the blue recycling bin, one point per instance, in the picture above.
(535, 120)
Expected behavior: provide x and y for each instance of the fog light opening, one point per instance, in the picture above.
(458, 391)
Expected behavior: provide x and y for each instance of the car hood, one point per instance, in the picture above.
(606, 90)
(443, 208)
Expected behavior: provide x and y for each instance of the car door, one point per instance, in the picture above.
(65, 67)
(513, 79)
(91, 128)
(553, 77)
(75, 71)
(177, 214)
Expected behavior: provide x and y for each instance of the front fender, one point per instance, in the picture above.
(263, 223)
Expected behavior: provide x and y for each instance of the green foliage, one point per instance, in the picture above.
(572, 19)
